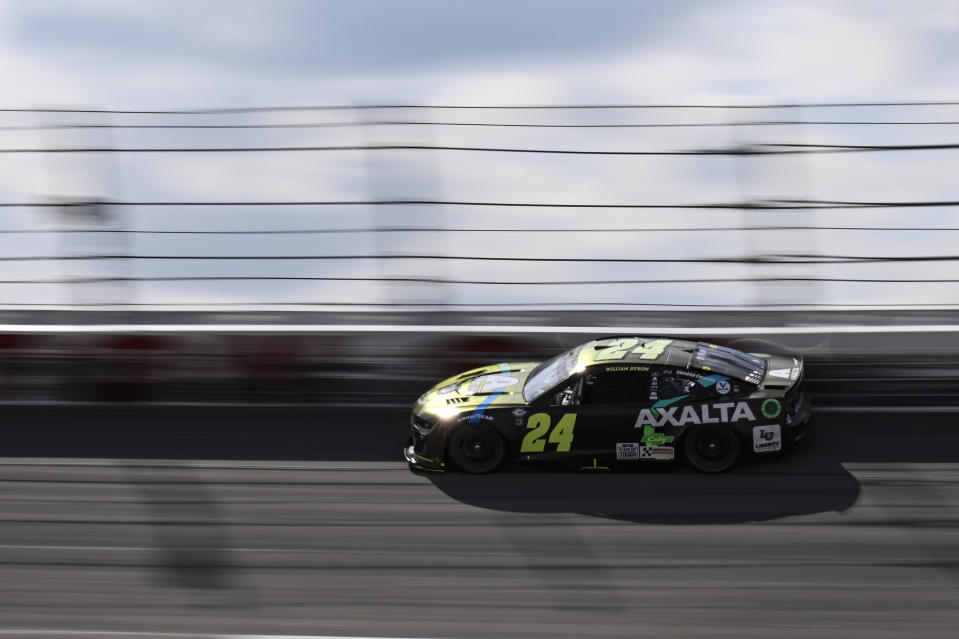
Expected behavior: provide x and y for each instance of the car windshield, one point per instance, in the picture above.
(550, 373)
(728, 361)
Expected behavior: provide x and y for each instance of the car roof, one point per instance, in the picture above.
(664, 351)
(676, 352)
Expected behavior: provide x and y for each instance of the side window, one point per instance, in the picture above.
(698, 386)
(670, 384)
(568, 394)
(617, 387)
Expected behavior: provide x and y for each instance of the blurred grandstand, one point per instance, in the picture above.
(352, 253)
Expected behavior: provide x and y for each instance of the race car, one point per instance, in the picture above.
(613, 402)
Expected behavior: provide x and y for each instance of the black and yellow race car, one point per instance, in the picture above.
(611, 402)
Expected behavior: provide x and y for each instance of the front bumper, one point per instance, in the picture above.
(420, 462)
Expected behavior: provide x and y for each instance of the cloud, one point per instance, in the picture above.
(177, 54)
(341, 37)
(210, 53)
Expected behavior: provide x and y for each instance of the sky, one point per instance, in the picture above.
(130, 55)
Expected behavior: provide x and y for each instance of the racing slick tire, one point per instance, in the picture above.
(476, 449)
(711, 448)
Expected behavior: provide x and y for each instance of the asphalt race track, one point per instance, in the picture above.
(190, 521)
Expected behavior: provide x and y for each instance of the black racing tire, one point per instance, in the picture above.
(476, 449)
(711, 448)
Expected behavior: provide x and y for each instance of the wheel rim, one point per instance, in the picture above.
(477, 449)
(478, 445)
(713, 444)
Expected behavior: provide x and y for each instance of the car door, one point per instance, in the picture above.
(552, 423)
(611, 396)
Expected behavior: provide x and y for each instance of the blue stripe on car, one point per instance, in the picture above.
(475, 417)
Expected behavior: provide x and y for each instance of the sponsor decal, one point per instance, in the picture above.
(520, 421)
(652, 438)
(491, 383)
(780, 372)
(771, 408)
(708, 380)
(722, 387)
(474, 418)
(767, 438)
(657, 452)
(519, 412)
(654, 388)
(446, 390)
(703, 414)
(627, 450)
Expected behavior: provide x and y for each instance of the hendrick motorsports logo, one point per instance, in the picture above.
(706, 414)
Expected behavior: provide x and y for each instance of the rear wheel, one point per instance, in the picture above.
(476, 449)
(711, 449)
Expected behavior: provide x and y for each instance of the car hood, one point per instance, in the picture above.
(493, 385)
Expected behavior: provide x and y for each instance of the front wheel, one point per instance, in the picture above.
(476, 449)
(711, 449)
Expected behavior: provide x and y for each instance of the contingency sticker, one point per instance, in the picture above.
(627, 450)
(657, 452)
(767, 439)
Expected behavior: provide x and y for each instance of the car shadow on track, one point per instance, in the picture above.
(671, 497)
(811, 479)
